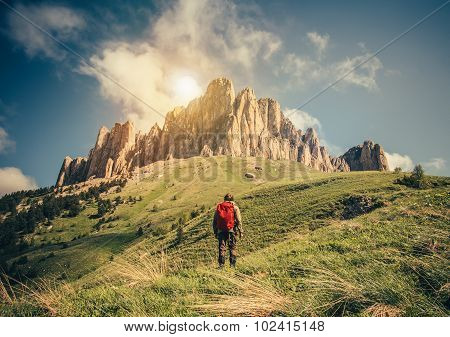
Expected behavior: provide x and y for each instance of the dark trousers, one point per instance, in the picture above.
(227, 238)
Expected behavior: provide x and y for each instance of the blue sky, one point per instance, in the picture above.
(51, 105)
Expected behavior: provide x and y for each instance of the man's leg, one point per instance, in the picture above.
(222, 238)
(232, 247)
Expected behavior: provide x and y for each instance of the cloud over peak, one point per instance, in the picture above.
(183, 41)
(302, 120)
(397, 160)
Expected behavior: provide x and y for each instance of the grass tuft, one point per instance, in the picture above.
(7, 293)
(252, 297)
(45, 293)
(139, 269)
(338, 294)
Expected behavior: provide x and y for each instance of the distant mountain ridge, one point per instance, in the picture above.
(217, 123)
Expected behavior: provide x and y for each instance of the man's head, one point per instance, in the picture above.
(228, 197)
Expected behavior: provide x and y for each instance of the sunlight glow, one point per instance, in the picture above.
(186, 89)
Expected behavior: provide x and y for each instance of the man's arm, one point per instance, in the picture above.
(214, 223)
(238, 220)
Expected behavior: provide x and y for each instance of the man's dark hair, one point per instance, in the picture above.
(228, 197)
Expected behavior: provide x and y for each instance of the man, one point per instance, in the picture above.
(227, 225)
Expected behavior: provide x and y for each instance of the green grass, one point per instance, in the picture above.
(297, 257)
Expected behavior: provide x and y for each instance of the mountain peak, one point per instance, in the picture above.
(221, 86)
(366, 157)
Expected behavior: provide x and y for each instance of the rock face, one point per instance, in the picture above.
(217, 123)
(72, 171)
(366, 157)
(113, 151)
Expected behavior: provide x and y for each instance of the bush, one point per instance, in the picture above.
(140, 231)
(103, 207)
(417, 179)
(195, 213)
(398, 170)
(74, 210)
(418, 173)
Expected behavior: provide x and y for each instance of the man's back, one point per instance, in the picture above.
(227, 227)
(237, 227)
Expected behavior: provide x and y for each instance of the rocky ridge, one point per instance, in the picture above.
(217, 123)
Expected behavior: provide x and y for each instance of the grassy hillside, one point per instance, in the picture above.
(314, 244)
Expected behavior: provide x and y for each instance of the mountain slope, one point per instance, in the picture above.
(315, 244)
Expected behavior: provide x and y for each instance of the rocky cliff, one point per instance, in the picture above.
(217, 123)
(366, 157)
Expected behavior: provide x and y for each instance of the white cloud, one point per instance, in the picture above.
(62, 22)
(364, 76)
(435, 163)
(398, 160)
(302, 120)
(12, 179)
(201, 39)
(304, 70)
(6, 144)
(141, 69)
(319, 41)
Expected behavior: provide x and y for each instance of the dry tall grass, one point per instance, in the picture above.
(252, 297)
(141, 268)
(7, 293)
(45, 293)
(344, 292)
(49, 293)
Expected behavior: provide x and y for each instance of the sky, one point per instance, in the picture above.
(52, 103)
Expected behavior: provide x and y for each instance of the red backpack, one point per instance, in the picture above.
(225, 216)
